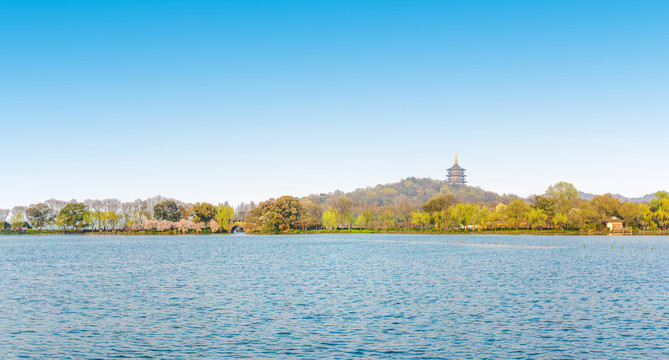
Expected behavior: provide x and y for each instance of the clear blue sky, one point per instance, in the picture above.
(245, 100)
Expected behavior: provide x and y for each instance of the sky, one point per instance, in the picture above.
(246, 100)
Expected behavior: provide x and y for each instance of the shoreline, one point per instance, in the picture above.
(315, 232)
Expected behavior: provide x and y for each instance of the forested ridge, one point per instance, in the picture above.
(416, 191)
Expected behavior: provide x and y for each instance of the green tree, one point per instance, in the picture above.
(103, 217)
(659, 205)
(167, 210)
(39, 215)
(111, 219)
(90, 217)
(421, 219)
(359, 222)
(659, 196)
(630, 213)
(662, 212)
(330, 219)
(560, 220)
(647, 217)
(202, 212)
(224, 215)
(591, 217)
(463, 214)
(96, 217)
(517, 212)
(440, 219)
(276, 215)
(286, 212)
(544, 204)
(536, 218)
(498, 216)
(368, 216)
(388, 219)
(562, 195)
(482, 218)
(73, 215)
(344, 207)
(18, 221)
(439, 203)
(255, 215)
(606, 205)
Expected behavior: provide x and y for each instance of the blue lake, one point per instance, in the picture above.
(334, 297)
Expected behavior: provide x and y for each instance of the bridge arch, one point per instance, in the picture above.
(236, 228)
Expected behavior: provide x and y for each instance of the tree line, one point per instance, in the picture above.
(560, 208)
(156, 213)
(449, 208)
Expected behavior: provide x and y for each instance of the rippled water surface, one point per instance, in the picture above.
(343, 296)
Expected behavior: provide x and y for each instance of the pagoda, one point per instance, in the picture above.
(456, 174)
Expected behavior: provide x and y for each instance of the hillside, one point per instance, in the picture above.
(417, 191)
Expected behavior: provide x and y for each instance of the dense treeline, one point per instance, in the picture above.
(560, 208)
(156, 213)
(410, 205)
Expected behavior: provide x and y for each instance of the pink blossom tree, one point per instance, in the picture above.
(150, 224)
(213, 225)
(198, 226)
(164, 225)
(183, 225)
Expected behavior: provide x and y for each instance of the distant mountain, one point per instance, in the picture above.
(643, 199)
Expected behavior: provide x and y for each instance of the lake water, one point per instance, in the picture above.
(334, 297)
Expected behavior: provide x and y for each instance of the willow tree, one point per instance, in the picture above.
(224, 215)
(659, 205)
(536, 218)
(330, 219)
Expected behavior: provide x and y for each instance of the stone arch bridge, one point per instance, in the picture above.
(236, 227)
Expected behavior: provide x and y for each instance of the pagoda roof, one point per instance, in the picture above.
(455, 167)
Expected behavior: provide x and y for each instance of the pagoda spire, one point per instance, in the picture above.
(456, 174)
